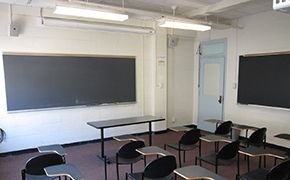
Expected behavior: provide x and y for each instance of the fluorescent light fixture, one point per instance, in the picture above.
(180, 24)
(84, 25)
(87, 13)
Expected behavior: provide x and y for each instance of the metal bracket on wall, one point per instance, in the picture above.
(2, 135)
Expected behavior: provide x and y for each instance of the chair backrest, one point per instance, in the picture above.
(229, 150)
(224, 128)
(36, 165)
(129, 150)
(160, 168)
(258, 136)
(190, 137)
(280, 172)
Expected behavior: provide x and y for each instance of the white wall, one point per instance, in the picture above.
(264, 32)
(31, 129)
(180, 80)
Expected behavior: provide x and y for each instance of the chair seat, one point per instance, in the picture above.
(40, 177)
(244, 143)
(212, 160)
(258, 174)
(126, 161)
(183, 147)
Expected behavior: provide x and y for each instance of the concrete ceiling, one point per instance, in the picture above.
(219, 12)
(229, 9)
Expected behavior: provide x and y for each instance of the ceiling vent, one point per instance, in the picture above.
(282, 5)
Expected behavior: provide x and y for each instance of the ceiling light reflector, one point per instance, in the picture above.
(87, 13)
(183, 25)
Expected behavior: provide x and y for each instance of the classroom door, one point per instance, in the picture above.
(211, 82)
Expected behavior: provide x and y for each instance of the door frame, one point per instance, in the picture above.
(218, 55)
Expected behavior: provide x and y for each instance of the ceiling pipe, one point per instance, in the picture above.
(142, 14)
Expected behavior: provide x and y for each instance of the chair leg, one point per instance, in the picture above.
(131, 167)
(216, 168)
(216, 165)
(179, 157)
(195, 160)
(144, 161)
(164, 147)
(117, 170)
(126, 176)
(248, 162)
(184, 156)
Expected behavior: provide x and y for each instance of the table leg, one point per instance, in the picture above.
(102, 143)
(102, 156)
(150, 133)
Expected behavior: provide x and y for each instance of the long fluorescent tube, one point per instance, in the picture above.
(75, 24)
(170, 23)
(87, 13)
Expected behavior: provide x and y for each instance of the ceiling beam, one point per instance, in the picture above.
(215, 8)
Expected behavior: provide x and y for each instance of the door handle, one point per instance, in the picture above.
(220, 99)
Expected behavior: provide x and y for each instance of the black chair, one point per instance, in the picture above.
(127, 154)
(187, 142)
(34, 168)
(224, 128)
(225, 156)
(160, 168)
(279, 172)
(257, 138)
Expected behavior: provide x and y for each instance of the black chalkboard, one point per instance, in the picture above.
(264, 80)
(45, 81)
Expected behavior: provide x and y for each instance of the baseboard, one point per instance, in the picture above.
(31, 150)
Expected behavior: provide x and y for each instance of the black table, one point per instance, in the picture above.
(124, 122)
(64, 170)
(239, 127)
(253, 151)
(153, 150)
(283, 136)
(180, 129)
(56, 148)
(197, 172)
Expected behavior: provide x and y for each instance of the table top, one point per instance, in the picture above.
(52, 148)
(197, 172)
(214, 121)
(153, 150)
(64, 170)
(215, 138)
(283, 136)
(235, 125)
(124, 121)
(127, 137)
(180, 129)
(259, 151)
(243, 127)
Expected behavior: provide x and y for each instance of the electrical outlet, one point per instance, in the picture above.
(173, 119)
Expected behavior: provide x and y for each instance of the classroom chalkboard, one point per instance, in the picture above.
(48, 81)
(264, 80)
